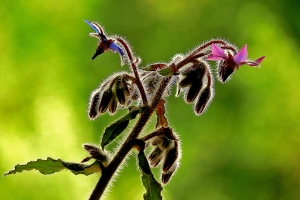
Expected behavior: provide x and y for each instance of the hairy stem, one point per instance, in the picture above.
(207, 44)
(134, 69)
(109, 171)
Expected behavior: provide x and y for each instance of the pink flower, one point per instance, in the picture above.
(228, 63)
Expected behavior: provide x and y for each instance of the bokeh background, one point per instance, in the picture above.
(247, 144)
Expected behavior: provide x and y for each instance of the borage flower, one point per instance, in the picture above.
(228, 63)
(104, 43)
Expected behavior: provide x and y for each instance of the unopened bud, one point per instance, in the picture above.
(168, 132)
(205, 96)
(113, 105)
(105, 100)
(155, 157)
(165, 143)
(156, 141)
(192, 74)
(94, 104)
(193, 80)
(96, 153)
(203, 100)
(125, 86)
(171, 157)
(193, 91)
(166, 176)
(120, 92)
(150, 83)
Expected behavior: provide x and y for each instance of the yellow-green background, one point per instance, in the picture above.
(247, 144)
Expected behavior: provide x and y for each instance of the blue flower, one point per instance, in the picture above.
(104, 43)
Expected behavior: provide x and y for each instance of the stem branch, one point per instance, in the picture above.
(108, 173)
(133, 62)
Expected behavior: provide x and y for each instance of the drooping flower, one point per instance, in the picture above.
(228, 62)
(104, 43)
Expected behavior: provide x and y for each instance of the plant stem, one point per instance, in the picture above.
(109, 171)
(134, 69)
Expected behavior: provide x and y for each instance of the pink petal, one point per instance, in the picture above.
(218, 52)
(241, 56)
(215, 58)
(256, 62)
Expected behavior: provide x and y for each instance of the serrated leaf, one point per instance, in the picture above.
(116, 128)
(153, 188)
(50, 166)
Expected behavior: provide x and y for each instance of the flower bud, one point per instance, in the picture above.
(96, 153)
(155, 157)
(162, 142)
(150, 83)
(193, 80)
(94, 104)
(165, 143)
(205, 97)
(125, 86)
(105, 100)
(168, 132)
(165, 176)
(192, 74)
(171, 157)
(120, 91)
(193, 91)
(203, 100)
(121, 88)
(112, 107)
(156, 141)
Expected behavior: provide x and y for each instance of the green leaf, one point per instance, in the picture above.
(153, 188)
(51, 166)
(154, 67)
(166, 72)
(116, 128)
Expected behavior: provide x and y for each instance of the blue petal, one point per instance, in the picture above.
(116, 48)
(93, 26)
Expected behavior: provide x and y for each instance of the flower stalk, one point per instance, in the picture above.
(109, 171)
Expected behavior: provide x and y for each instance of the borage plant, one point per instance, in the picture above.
(143, 91)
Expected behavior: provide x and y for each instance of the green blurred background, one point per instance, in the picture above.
(247, 144)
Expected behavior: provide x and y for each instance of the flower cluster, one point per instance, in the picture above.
(191, 72)
(197, 83)
(149, 86)
(114, 91)
(166, 151)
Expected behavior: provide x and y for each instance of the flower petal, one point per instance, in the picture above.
(256, 62)
(218, 52)
(93, 26)
(98, 30)
(116, 48)
(241, 56)
(214, 58)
